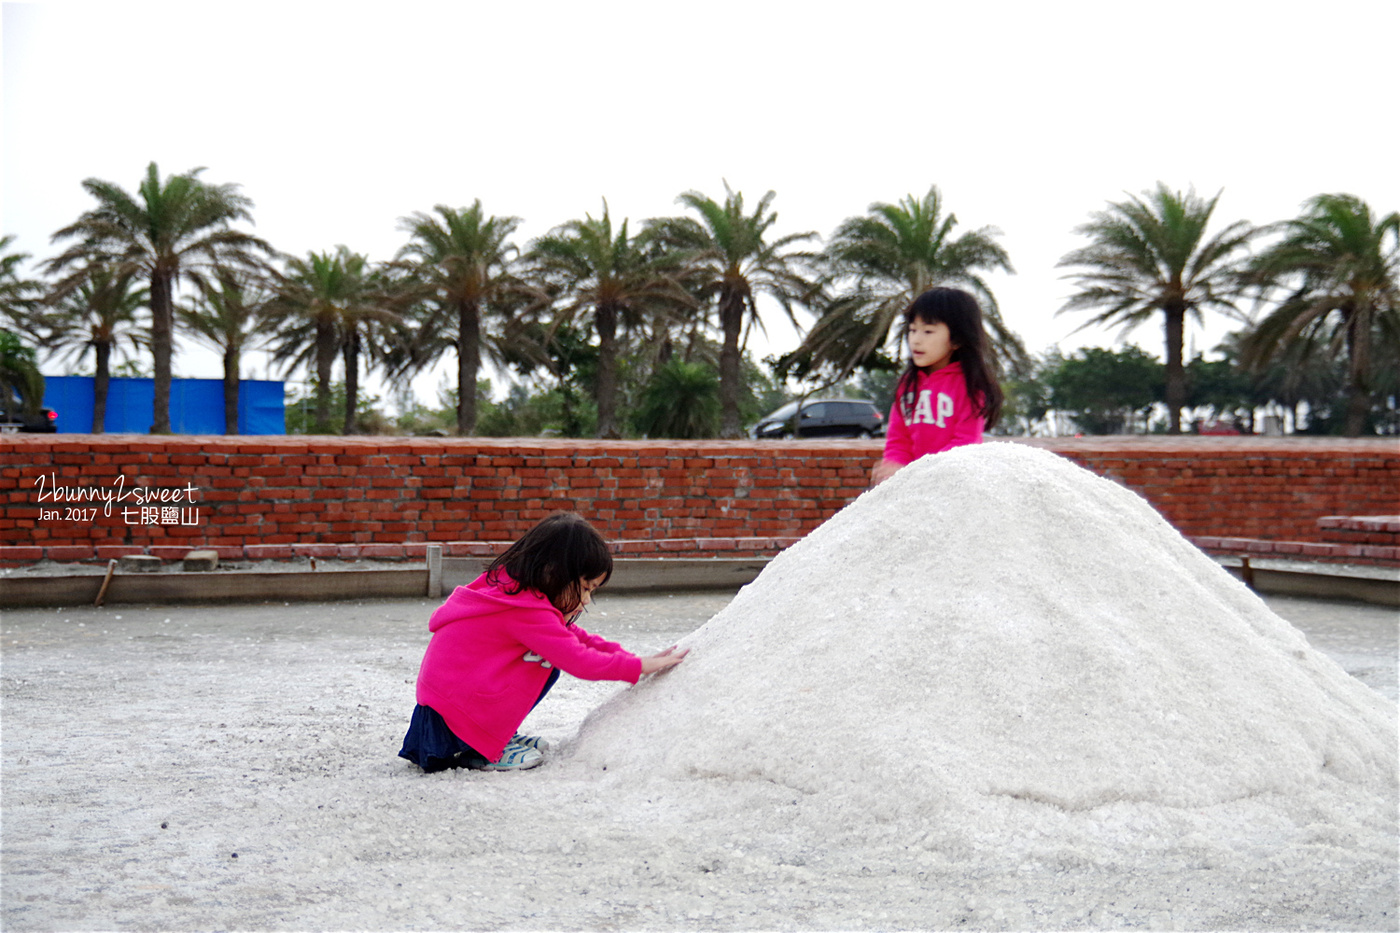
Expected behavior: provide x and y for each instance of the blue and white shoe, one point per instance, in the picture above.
(515, 758)
(539, 743)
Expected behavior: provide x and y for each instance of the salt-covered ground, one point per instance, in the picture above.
(143, 747)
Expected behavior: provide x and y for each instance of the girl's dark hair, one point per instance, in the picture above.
(959, 310)
(553, 557)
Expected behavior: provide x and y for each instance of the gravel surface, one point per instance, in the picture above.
(233, 767)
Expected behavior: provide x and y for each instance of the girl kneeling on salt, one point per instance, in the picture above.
(499, 644)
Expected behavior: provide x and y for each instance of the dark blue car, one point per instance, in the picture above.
(822, 417)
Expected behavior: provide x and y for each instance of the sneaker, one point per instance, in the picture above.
(539, 743)
(514, 758)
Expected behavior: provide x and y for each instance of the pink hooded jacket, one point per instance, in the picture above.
(475, 673)
(942, 417)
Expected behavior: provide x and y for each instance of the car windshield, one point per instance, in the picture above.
(783, 413)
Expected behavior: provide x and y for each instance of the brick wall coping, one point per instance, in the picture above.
(1379, 554)
(1390, 523)
(658, 549)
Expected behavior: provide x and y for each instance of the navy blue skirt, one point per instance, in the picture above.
(432, 746)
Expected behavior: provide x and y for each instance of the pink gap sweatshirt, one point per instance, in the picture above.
(942, 417)
(475, 672)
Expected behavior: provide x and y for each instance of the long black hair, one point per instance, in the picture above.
(960, 311)
(553, 557)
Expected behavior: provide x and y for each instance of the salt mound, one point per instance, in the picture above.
(997, 623)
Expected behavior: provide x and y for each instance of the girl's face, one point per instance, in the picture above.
(930, 344)
(586, 588)
(585, 593)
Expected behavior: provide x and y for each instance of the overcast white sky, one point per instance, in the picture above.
(339, 119)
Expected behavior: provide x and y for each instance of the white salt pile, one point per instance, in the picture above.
(999, 650)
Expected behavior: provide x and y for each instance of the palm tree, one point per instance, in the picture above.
(18, 295)
(1150, 256)
(1339, 266)
(316, 299)
(171, 230)
(680, 401)
(890, 256)
(460, 266)
(225, 317)
(728, 251)
(613, 277)
(99, 316)
(372, 332)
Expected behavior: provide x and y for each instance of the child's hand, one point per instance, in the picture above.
(663, 660)
(883, 471)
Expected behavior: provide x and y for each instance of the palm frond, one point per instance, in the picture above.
(882, 260)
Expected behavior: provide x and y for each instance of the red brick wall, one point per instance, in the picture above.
(1251, 487)
(262, 496)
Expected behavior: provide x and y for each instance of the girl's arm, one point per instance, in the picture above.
(899, 447)
(595, 642)
(899, 442)
(660, 661)
(544, 634)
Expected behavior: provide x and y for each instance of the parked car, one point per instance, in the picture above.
(1217, 427)
(823, 417)
(15, 418)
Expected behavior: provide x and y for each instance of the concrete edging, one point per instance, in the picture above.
(1320, 584)
(439, 577)
(212, 587)
(443, 574)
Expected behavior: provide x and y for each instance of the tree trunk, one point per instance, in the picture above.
(1359, 359)
(100, 383)
(162, 339)
(731, 318)
(325, 367)
(232, 364)
(605, 318)
(1176, 375)
(468, 362)
(352, 379)
(1358, 406)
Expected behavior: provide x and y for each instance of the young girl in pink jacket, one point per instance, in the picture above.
(949, 393)
(499, 643)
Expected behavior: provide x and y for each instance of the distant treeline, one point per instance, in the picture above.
(618, 330)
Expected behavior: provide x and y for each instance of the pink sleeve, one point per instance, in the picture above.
(899, 445)
(596, 643)
(547, 636)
